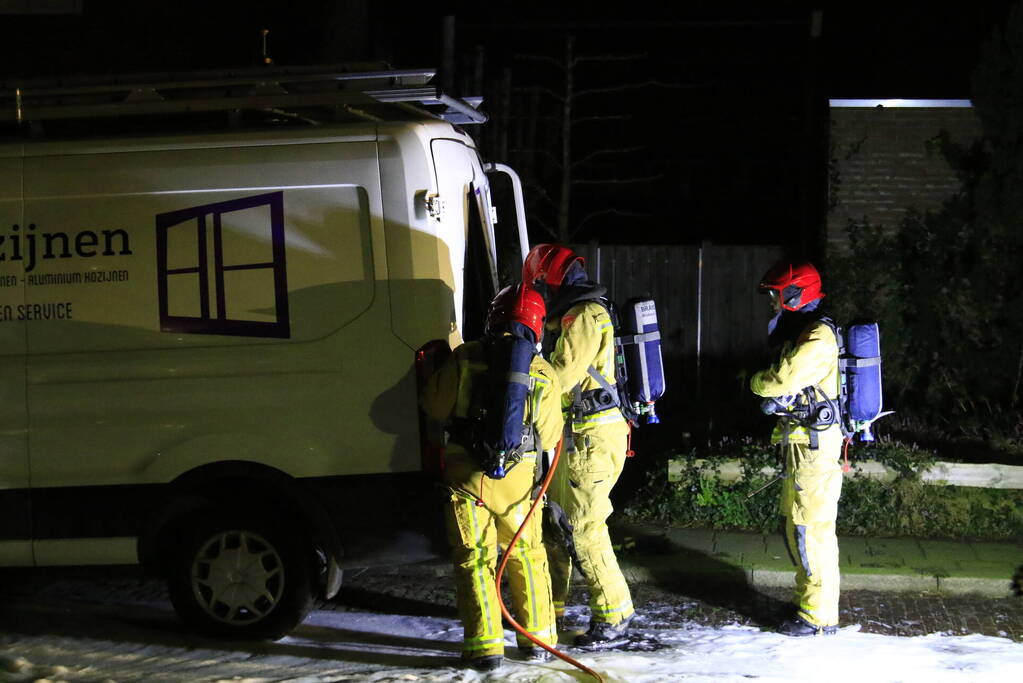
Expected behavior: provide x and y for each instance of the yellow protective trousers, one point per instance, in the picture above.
(483, 514)
(582, 487)
(809, 503)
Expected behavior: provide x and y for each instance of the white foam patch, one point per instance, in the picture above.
(350, 646)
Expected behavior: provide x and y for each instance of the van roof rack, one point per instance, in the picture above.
(311, 93)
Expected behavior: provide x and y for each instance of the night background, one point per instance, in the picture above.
(685, 146)
(691, 121)
(680, 126)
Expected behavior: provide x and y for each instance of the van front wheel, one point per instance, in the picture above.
(241, 580)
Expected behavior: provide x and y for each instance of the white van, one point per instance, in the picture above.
(208, 346)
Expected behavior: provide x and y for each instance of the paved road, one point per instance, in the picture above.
(58, 627)
(427, 590)
(665, 606)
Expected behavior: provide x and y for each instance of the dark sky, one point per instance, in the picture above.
(866, 49)
(906, 49)
(911, 48)
(730, 130)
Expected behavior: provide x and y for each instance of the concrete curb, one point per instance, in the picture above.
(773, 578)
(706, 557)
(770, 578)
(652, 554)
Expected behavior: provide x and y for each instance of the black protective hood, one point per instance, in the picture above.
(786, 326)
(569, 295)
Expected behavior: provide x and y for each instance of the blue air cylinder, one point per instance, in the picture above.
(511, 357)
(641, 342)
(862, 366)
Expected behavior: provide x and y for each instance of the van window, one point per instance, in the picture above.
(478, 280)
(262, 267)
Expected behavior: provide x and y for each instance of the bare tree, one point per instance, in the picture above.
(567, 160)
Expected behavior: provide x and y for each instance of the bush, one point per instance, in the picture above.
(906, 507)
(701, 499)
(946, 286)
(869, 507)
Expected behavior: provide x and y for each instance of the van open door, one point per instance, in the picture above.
(512, 235)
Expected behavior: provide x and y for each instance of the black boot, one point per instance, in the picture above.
(535, 654)
(484, 662)
(603, 632)
(799, 627)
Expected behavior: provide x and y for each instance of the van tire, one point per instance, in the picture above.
(240, 577)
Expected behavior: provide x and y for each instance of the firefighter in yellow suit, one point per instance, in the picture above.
(808, 357)
(483, 513)
(594, 460)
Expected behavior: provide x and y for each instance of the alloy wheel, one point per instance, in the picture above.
(237, 577)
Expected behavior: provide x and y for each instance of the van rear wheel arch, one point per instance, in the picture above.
(245, 488)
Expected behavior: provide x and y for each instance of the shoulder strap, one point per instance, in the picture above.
(837, 330)
(604, 384)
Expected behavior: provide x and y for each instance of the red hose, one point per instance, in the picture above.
(504, 561)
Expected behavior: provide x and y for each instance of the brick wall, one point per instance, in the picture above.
(883, 164)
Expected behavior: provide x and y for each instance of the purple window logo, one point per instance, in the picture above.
(196, 298)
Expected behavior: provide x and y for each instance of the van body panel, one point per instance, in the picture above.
(124, 379)
(380, 518)
(15, 514)
(16, 553)
(253, 298)
(86, 551)
(350, 132)
(420, 277)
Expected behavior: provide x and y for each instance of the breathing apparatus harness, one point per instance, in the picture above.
(638, 370)
(496, 464)
(810, 408)
(501, 398)
(586, 403)
(857, 404)
(605, 396)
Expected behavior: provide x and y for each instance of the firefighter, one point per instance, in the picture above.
(797, 387)
(595, 456)
(483, 513)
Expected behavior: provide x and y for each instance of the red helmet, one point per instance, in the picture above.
(549, 263)
(519, 304)
(797, 284)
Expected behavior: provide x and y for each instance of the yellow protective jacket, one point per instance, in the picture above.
(587, 339)
(811, 361)
(449, 393)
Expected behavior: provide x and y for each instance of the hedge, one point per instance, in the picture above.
(904, 507)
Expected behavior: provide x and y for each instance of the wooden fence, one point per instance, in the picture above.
(713, 323)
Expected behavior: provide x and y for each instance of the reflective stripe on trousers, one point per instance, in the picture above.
(815, 549)
(582, 487)
(810, 494)
(475, 532)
